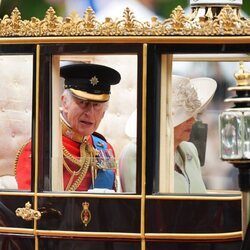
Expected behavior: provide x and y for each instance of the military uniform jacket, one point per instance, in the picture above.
(104, 179)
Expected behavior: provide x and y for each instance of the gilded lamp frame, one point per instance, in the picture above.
(228, 22)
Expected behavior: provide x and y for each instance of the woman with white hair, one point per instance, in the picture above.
(189, 98)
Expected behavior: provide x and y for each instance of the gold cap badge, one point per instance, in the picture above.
(94, 80)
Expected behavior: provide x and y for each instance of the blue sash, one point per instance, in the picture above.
(105, 178)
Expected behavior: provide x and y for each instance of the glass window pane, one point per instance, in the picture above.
(247, 135)
(15, 117)
(89, 120)
(231, 127)
(197, 167)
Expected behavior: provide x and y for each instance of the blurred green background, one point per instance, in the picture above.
(38, 8)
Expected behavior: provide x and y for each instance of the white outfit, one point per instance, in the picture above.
(188, 179)
(8, 182)
(186, 157)
(127, 168)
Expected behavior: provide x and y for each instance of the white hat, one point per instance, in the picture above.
(189, 97)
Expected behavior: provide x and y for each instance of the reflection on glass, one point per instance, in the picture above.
(217, 174)
(127, 160)
(231, 136)
(189, 98)
(15, 114)
(246, 150)
(93, 113)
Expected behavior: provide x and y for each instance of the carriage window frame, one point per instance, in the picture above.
(154, 41)
(24, 91)
(162, 56)
(50, 57)
(170, 40)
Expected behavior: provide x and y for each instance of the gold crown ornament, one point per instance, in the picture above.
(242, 88)
(242, 77)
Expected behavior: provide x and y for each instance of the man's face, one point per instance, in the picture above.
(82, 115)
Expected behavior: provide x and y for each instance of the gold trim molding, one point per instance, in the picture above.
(227, 22)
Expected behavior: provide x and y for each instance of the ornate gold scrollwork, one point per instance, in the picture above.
(27, 213)
(85, 214)
(228, 22)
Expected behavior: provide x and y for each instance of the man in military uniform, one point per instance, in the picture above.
(88, 159)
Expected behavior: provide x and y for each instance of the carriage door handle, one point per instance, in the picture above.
(27, 213)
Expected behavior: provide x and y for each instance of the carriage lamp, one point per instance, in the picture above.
(235, 135)
(234, 126)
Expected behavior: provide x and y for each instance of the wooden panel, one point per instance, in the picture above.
(232, 245)
(87, 244)
(193, 216)
(107, 215)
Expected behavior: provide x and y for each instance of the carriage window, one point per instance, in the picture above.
(94, 112)
(198, 90)
(15, 120)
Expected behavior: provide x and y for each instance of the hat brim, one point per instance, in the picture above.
(205, 88)
(88, 96)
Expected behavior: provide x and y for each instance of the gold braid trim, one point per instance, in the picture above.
(19, 152)
(87, 159)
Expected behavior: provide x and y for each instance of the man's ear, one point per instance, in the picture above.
(64, 104)
(64, 101)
